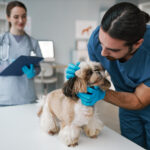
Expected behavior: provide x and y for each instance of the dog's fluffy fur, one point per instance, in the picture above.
(64, 105)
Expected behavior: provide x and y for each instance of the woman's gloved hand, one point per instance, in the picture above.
(30, 72)
(92, 96)
(71, 69)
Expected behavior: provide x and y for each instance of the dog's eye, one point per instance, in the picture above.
(97, 71)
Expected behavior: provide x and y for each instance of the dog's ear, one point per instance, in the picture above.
(79, 73)
(80, 86)
(68, 87)
(74, 86)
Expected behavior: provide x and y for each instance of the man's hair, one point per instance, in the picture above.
(125, 21)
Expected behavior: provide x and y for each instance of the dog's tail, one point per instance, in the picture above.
(41, 103)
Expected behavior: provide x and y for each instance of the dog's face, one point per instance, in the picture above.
(89, 74)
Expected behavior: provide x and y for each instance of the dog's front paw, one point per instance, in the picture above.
(53, 131)
(70, 135)
(93, 128)
(73, 144)
(92, 133)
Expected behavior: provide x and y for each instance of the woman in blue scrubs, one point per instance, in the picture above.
(16, 90)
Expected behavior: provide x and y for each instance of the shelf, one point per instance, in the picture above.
(3, 20)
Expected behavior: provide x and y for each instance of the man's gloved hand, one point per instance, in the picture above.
(71, 69)
(30, 72)
(92, 96)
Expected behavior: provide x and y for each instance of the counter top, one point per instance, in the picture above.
(20, 130)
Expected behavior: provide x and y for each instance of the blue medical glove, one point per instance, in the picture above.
(30, 72)
(92, 96)
(71, 69)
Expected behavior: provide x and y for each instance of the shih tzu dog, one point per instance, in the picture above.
(65, 107)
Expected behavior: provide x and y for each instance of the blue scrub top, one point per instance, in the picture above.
(16, 90)
(128, 75)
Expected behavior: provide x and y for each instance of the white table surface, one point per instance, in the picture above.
(20, 130)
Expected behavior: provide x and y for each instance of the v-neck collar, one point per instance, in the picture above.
(18, 38)
(13, 39)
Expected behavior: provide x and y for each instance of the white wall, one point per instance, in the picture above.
(55, 20)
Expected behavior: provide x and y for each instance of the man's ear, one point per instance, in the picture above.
(138, 44)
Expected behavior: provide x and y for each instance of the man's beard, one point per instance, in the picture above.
(122, 59)
(111, 58)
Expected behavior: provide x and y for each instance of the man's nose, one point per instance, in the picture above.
(104, 52)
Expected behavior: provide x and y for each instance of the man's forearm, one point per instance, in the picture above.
(123, 99)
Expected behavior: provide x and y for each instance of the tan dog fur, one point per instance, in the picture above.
(65, 106)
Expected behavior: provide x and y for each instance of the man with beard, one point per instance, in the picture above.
(122, 45)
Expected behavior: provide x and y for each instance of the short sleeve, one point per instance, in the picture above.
(36, 47)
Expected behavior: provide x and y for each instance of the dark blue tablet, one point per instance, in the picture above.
(15, 68)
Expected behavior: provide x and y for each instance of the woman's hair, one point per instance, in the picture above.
(13, 4)
(125, 21)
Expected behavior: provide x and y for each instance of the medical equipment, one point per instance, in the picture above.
(4, 49)
(5, 45)
(4, 52)
(47, 49)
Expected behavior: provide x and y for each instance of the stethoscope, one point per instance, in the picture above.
(4, 48)
(5, 45)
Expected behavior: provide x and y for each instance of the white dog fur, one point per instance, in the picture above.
(64, 106)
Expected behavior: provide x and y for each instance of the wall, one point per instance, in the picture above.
(55, 20)
(136, 2)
